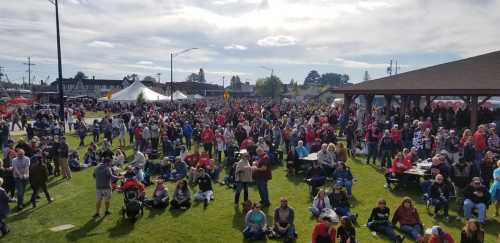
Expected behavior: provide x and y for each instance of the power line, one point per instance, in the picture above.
(29, 70)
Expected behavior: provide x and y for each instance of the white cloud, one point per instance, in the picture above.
(145, 62)
(235, 47)
(357, 64)
(101, 44)
(277, 40)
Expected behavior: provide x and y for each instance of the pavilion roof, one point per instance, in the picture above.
(478, 75)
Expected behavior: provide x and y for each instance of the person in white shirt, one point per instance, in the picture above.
(21, 172)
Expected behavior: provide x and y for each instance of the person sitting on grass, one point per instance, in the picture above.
(340, 203)
(255, 224)
(180, 169)
(119, 157)
(205, 192)
(439, 236)
(165, 169)
(472, 232)
(440, 195)
(378, 222)
(284, 221)
(343, 177)
(90, 157)
(346, 231)
(160, 197)
(409, 220)
(320, 204)
(4, 209)
(182, 196)
(324, 231)
(315, 177)
(399, 166)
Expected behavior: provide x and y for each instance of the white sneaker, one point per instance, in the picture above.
(374, 233)
(386, 185)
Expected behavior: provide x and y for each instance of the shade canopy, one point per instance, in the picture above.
(178, 95)
(20, 100)
(133, 91)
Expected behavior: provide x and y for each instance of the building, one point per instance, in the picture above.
(91, 87)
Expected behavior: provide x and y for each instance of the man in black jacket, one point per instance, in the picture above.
(461, 176)
(205, 192)
(476, 196)
(440, 195)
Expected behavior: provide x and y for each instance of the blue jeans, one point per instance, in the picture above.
(253, 235)
(469, 205)
(372, 152)
(384, 229)
(440, 203)
(263, 192)
(20, 188)
(414, 230)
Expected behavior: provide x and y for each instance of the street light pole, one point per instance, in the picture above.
(172, 55)
(59, 65)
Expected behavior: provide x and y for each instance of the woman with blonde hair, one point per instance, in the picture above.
(472, 232)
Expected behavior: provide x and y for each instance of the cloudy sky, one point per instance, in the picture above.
(111, 38)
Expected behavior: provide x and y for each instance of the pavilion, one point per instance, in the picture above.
(468, 79)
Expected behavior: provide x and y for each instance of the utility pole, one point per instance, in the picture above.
(29, 70)
(59, 65)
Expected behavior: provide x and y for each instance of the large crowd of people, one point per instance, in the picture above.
(192, 144)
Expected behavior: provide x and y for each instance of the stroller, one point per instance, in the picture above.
(132, 205)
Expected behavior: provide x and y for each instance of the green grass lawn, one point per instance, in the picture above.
(220, 222)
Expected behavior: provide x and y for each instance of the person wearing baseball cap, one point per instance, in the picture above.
(476, 196)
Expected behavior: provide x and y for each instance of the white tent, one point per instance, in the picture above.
(198, 97)
(178, 95)
(131, 93)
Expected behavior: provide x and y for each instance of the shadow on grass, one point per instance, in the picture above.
(176, 212)
(25, 213)
(238, 218)
(84, 230)
(155, 212)
(123, 227)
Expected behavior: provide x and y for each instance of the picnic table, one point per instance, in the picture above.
(421, 169)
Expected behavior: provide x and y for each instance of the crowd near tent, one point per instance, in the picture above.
(133, 91)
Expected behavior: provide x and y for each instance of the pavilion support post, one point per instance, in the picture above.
(428, 100)
(473, 111)
(347, 104)
(403, 106)
(369, 105)
(388, 101)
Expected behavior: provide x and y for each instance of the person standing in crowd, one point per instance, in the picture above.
(372, 139)
(487, 166)
(4, 209)
(480, 143)
(20, 170)
(461, 175)
(103, 178)
(325, 231)
(472, 232)
(261, 172)
(495, 188)
(386, 148)
(255, 224)
(155, 135)
(208, 139)
(82, 132)
(63, 152)
(243, 176)
(121, 132)
(187, 132)
(476, 196)
(452, 146)
(409, 220)
(38, 177)
(284, 221)
(379, 222)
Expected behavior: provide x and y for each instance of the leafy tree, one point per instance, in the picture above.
(236, 82)
(133, 77)
(201, 76)
(80, 75)
(333, 79)
(140, 98)
(149, 79)
(193, 77)
(267, 86)
(313, 78)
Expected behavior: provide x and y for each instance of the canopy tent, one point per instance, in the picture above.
(178, 95)
(20, 100)
(198, 97)
(131, 93)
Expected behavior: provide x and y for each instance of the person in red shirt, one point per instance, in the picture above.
(208, 138)
(439, 236)
(396, 137)
(204, 160)
(399, 166)
(261, 172)
(138, 137)
(480, 142)
(325, 231)
(310, 136)
(246, 143)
